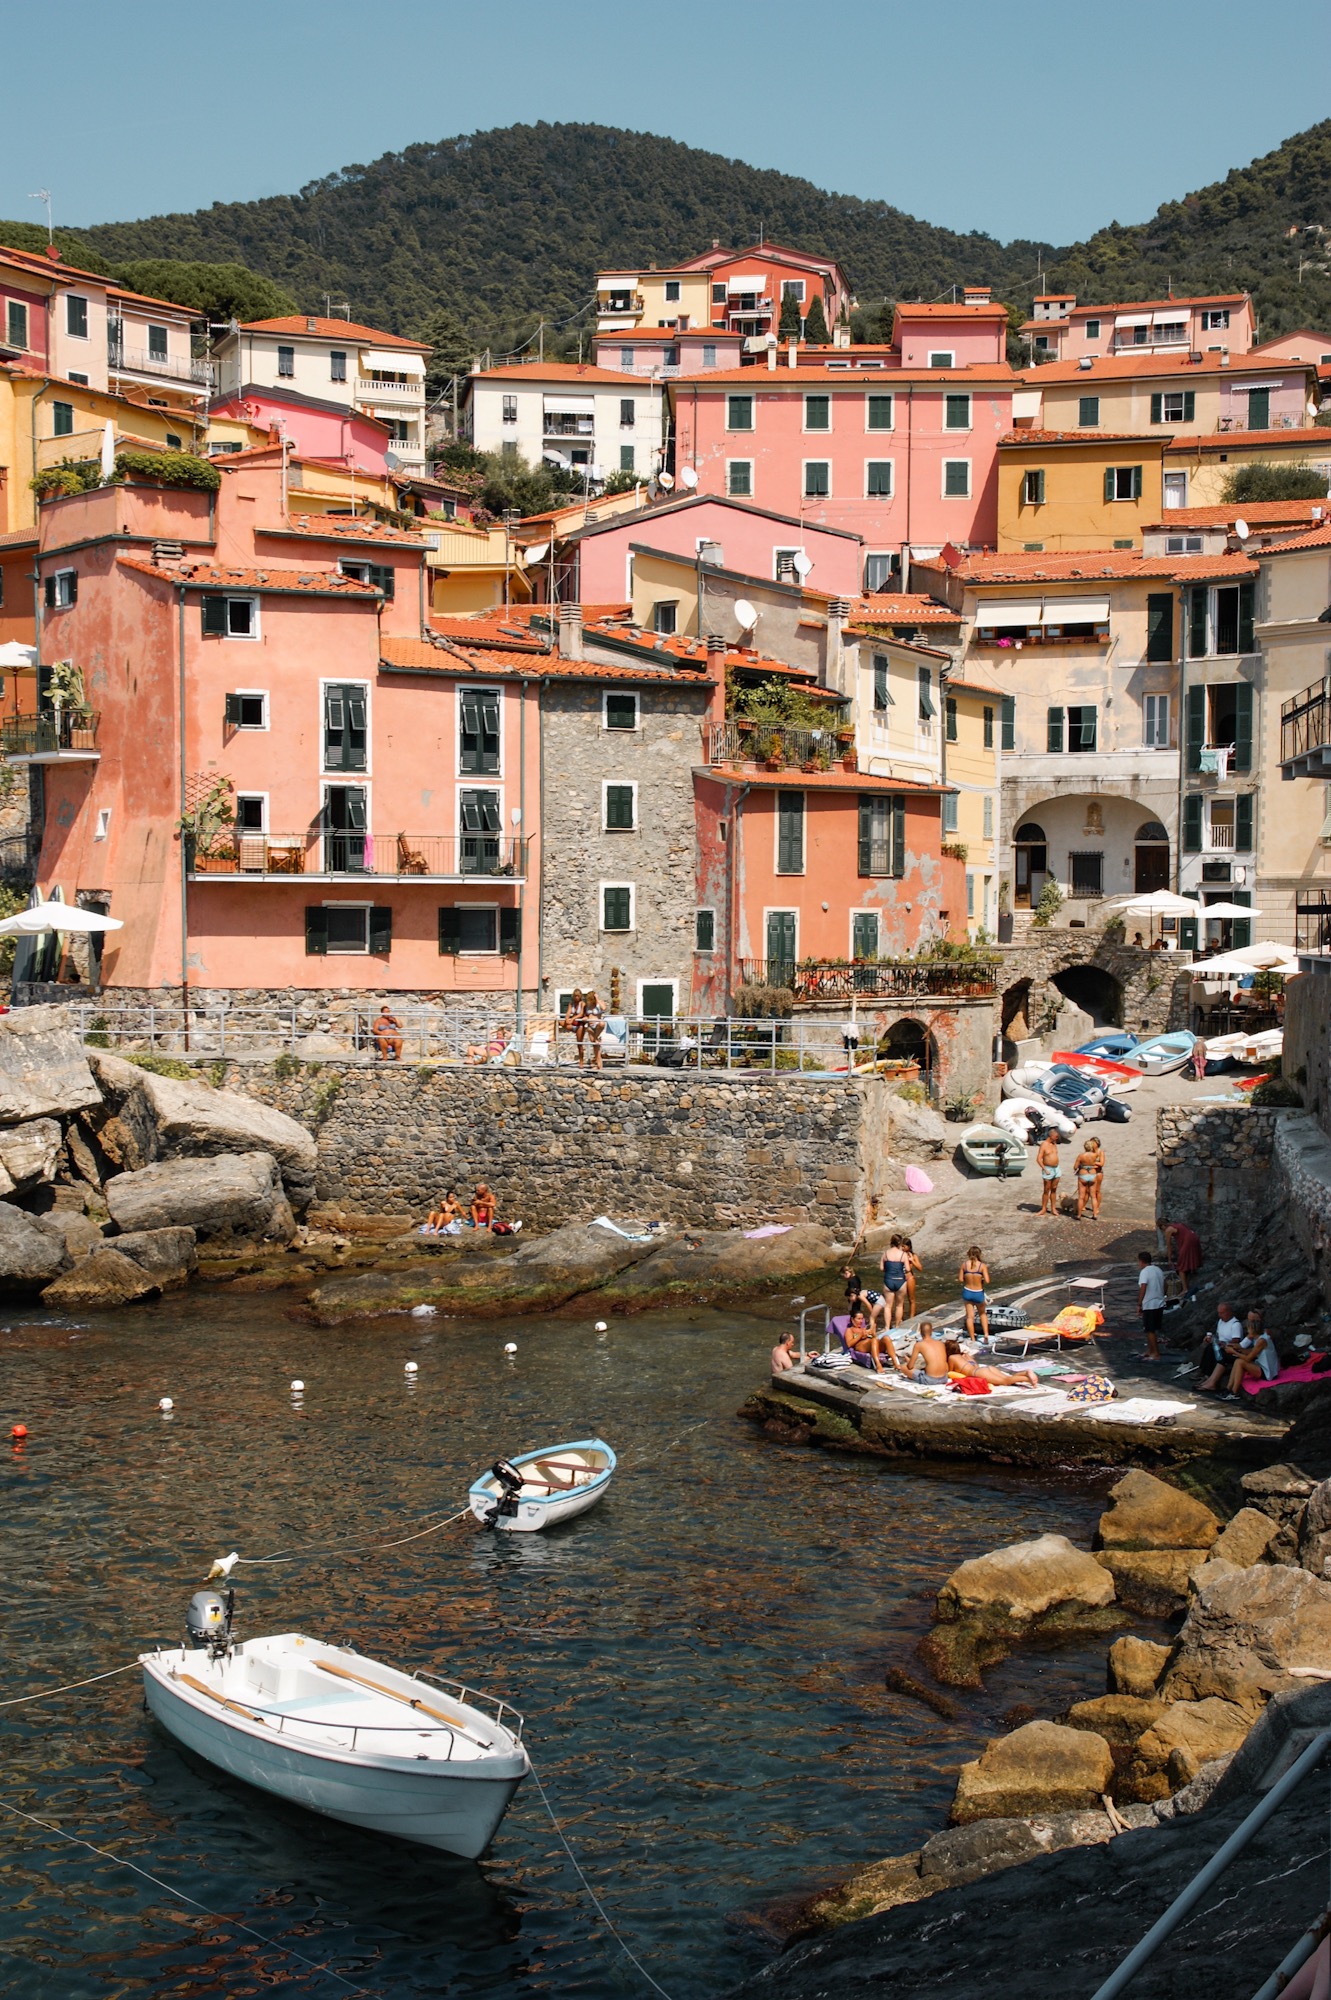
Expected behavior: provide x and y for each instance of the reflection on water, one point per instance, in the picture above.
(700, 1659)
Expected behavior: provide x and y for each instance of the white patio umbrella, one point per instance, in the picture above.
(1229, 910)
(57, 917)
(15, 655)
(1160, 903)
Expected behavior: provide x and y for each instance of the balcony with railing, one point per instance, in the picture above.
(69, 737)
(188, 373)
(397, 393)
(774, 747)
(1312, 920)
(327, 856)
(1305, 732)
(814, 979)
(562, 425)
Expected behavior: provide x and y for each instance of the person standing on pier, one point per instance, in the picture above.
(1050, 1166)
(1151, 1302)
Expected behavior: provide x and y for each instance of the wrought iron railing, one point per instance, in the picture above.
(1305, 722)
(875, 979)
(1312, 920)
(385, 856)
(71, 732)
(740, 741)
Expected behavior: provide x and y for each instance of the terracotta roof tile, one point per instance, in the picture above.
(1303, 439)
(1047, 439)
(819, 781)
(1316, 538)
(1257, 513)
(333, 329)
(903, 608)
(1092, 566)
(19, 538)
(553, 371)
(782, 376)
(944, 311)
(344, 528)
(1123, 367)
(274, 580)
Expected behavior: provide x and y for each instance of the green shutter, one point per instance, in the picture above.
(1189, 405)
(1136, 482)
(988, 729)
(1157, 409)
(1195, 733)
(214, 617)
(1242, 925)
(510, 931)
(898, 834)
(1192, 823)
(1109, 483)
(1243, 726)
(1197, 621)
(1054, 731)
(316, 931)
(1187, 934)
(790, 833)
(619, 807)
(450, 930)
(233, 711)
(951, 712)
(1008, 738)
(866, 835)
(1243, 840)
(381, 930)
(1247, 604)
(1160, 625)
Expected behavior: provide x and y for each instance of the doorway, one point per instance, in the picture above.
(1152, 859)
(781, 945)
(1030, 864)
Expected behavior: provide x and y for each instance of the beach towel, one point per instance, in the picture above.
(1081, 1322)
(1138, 1410)
(1044, 1403)
(1092, 1389)
(629, 1235)
(1302, 1371)
(768, 1229)
(918, 1181)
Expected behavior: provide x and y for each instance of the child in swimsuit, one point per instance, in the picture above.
(1050, 1168)
(973, 1277)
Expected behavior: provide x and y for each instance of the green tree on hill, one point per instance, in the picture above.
(452, 353)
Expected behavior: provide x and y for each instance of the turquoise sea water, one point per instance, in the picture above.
(700, 1659)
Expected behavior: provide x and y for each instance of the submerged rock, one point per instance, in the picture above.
(100, 1283)
(1043, 1767)
(1046, 1588)
(236, 1195)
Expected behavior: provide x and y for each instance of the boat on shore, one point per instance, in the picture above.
(988, 1149)
(534, 1491)
(411, 1755)
(1161, 1055)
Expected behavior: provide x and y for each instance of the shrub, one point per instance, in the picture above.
(183, 1072)
(754, 1002)
(286, 1066)
(1049, 905)
(168, 468)
(1278, 1093)
(1274, 482)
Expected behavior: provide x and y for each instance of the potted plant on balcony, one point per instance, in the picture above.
(207, 826)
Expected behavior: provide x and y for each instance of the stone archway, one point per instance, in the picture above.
(908, 1040)
(1096, 991)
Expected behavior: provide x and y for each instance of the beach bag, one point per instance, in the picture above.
(970, 1385)
(1092, 1389)
(505, 1228)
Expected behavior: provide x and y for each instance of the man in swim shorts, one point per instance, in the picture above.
(1050, 1166)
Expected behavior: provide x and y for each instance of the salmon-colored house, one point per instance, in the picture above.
(267, 776)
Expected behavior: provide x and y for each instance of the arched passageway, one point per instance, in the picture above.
(1095, 991)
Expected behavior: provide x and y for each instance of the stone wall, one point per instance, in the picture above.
(1150, 988)
(709, 1152)
(1307, 1054)
(1211, 1169)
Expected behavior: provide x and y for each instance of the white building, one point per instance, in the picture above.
(334, 361)
(582, 416)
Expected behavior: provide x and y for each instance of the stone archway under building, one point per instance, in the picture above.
(1093, 988)
(909, 1040)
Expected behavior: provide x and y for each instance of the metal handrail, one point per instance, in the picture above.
(470, 1697)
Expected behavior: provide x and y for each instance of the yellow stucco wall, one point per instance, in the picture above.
(1074, 513)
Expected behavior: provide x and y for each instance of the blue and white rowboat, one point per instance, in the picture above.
(526, 1494)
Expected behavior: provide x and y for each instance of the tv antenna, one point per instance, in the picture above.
(44, 194)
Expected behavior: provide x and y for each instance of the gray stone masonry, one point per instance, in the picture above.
(1307, 1054)
(1212, 1164)
(1147, 990)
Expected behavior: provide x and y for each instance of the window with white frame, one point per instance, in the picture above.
(878, 415)
(617, 900)
(739, 478)
(626, 360)
(817, 413)
(942, 357)
(956, 478)
(619, 710)
(230, 617)
(950, 808)
(1092, 329)
(665, 615)
(103, 826)
(988, 832)
(510, 409)
(864, 934)
(627, 413)
(337, 364)
(1215, 319)
(793, 288)
(739, 413)
(671, 290)
(878, 478)
(817, 478)
(956, 413)
(61, 590)
(704, 930)
(286, 361)
(76, 316)
(1155, 721)
(1176, 489)
(247, 708)
(251, 812)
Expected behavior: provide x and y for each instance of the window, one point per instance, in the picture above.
(1183, 545)
(739, 413)
(950, 804)
(970, 894)
(817, 413)
(718, 295)
(346, 742)
(344, 929)
(1123, 482)
(619, 711)
(878, 413)
(627, 462)
(671, 290)
(382, 575)
(62, 420)
(664, 614)
(793, 288)
(704, 930)
(1008, 712)
(337, 364)
(1032, 489)
(925, 710)
(943, 359)
(61, 590)
(882, 693)
(76, 316)
(1155, 721)
(1160, 625)
(1216, 319)
(230, 617)
(988, 729)
(1226, 725)
(509, 449)
(956, 478)
(617, 906)
(470, 930)
(1259, 409)
(286, 360)
(817, 478)
(251, 812)
(950, 718)
(883, 834)
(739, 478)
(878, 478)
(74, 376)
(864, 934)
(510, 409)
(709, 354)
(1088, 413)
(16, 327)
(157, 343)
(956, 413)
(988, 816)
(1071, 729)
(1176, 489)
(478, 729)
(1092, 329)
(879, 569)
(790, 833)
(1087, 874)
(1174, 406)
(480, 826)
(247, 711)
(627, 406)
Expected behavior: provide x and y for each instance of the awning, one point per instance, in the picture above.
(1175, 315)
(615, 284)
(747, 281)
(391, 364)
(1133, 319)
(1076, 611)
(570, 406)
(1021, 612)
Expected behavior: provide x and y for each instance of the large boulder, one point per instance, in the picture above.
(43, 1070)
(1315, 1530)
(28, 1154)
(171, 1119)
(1043, 1767)
(1246, 1538)
(100, 1283)
(1185, 1736)
(169, 1256)
(1145, 1513)
(228, 1196)
(1119, 1718)
(918, 1133)
(536, 1274)
(697, 1265)
(1046, 1587)
(1153, 1582)
(32, 1251)
(1246, 1631)
(1135, 1666)
(78, 1231)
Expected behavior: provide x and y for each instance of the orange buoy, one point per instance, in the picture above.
(20, 1431)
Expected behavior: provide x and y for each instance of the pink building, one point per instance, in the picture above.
(972, 334)
(317, 429)
(595, 564)
(905, 458)
(374, 788)
(1061, 330)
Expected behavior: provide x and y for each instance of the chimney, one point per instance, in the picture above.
(838, 611)
(771, 355)
(717, 647)
(570, 632)
(792, 353)
(841, 334)
(976, 295)
(311, 326)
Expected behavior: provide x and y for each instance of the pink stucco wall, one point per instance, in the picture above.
(748, 540)
(344, 435)
(976, 338)
(1288, 395)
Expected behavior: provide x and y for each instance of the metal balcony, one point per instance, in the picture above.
(67, 738)
(875, 979)
(160, 367)
(1305, 733)
(322, 856)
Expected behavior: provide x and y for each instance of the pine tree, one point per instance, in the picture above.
(789, 327)
(815, 324)
(451, 353)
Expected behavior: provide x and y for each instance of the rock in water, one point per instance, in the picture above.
(168, 1256)
(1186, 1735)
(101, 1282)
(1153, 1581)
(227, 1196)
(1135, 1666)
(32, 1252)
(28, 1154)
(194, 1121)
(1041, 1768)
(1244, 1633)
(989, 1604)
(1145, 1513)
(43, 1070)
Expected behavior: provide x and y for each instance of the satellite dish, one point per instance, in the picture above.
(746, 614)
(1241, 529)
(667, 480)
(555, 458)
(688, 477)
(801, 564)
(539, 553)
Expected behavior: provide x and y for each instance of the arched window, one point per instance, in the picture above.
(1152, 830)
(1029, 830)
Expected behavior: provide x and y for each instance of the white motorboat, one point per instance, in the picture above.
(525, 1494)
(411, 1755)
(1251, 1050)
(1161, 1055)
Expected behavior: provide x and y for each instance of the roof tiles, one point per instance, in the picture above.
(333, 329)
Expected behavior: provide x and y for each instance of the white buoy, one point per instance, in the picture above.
(410, 1368)
(166, 1404)
(601, 1326)
(510, 1347)
(422, 1312)
(297, 1387)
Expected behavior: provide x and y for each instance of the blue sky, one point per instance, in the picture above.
(1041, 121)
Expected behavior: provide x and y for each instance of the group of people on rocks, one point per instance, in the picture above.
(1235, 1352)
(450, 1214)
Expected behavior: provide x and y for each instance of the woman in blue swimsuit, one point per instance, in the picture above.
(974, 1277)
(896, 1269)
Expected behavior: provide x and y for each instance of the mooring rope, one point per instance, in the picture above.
(595, 1900)
(269, 1944)
(46, 1694)
(314, 1550)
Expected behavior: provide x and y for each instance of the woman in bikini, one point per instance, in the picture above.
(575, 1017)
(447, 1212)
(914, 1268)
(1089, 1167)
(896, 1269)
(974, 1277)
(594, 1015)
(860, 1338)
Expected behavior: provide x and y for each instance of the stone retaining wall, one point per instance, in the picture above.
(1307, 1054)
(1211, 1168)
(711, 1153)
(1154, 988)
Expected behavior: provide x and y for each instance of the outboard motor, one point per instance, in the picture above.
(510, 1479)
(208, 1621)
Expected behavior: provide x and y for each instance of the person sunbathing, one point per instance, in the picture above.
(928, 1354)
(484, 1208)
(860, 1338)
(447, 1211)
(997, 1378)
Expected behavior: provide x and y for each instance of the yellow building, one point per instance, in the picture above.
(1078, 489)
(638, 298)
(1198, 469)
(44, 419)
(1170, 393)
(474, 568)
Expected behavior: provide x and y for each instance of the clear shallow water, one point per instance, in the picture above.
(700, 1659)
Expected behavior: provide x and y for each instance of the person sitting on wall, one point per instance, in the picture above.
(860, 1338)
(449, 1210)
(386, 1031)
(484, 1208)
